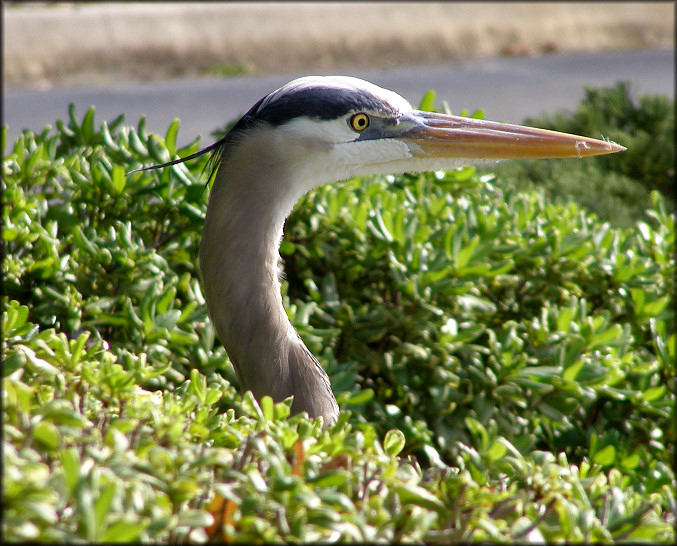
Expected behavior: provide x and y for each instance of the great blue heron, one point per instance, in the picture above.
(307, 133)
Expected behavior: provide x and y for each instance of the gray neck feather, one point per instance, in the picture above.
(239, 264)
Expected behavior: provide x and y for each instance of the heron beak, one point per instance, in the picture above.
(435, 135)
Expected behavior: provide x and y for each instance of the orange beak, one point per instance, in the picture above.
(432, 135)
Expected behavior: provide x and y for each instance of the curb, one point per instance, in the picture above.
(69, 44)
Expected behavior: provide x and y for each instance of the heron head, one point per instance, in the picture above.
(320, 129)
(334, 127)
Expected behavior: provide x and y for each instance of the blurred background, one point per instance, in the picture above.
(206, 63)
(99, 42)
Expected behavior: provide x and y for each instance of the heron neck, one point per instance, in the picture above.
(239, 262)
(239, 266)
(253, 193)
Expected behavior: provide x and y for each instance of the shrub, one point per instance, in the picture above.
(504, 364)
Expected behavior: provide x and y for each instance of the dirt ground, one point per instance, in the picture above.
(103, 43)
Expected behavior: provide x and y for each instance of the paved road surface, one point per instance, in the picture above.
(508, 89)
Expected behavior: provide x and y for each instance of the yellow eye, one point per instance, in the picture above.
(359, 122)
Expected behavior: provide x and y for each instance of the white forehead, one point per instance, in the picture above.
(345, 83)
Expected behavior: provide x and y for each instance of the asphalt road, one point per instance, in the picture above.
(507, 89)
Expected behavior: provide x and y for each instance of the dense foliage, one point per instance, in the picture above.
(505, 364)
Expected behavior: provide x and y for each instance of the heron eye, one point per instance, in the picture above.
(359, 122)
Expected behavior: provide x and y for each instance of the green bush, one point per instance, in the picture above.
(504, 364)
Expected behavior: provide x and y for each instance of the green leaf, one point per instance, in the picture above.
(170, 136)
(427, 103)
(654, 393)
(267, 407)
(87, 128)
(336, 479)
(118, 179)
(125, 531)
(418, 496)
(655, 308)
(605, 456)
(631, 461)
(496, 451)
(102, 504)
(47, 434)
(70, 463)
(38, 365)
(464, 255)
(394, 442)
(607, 336)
